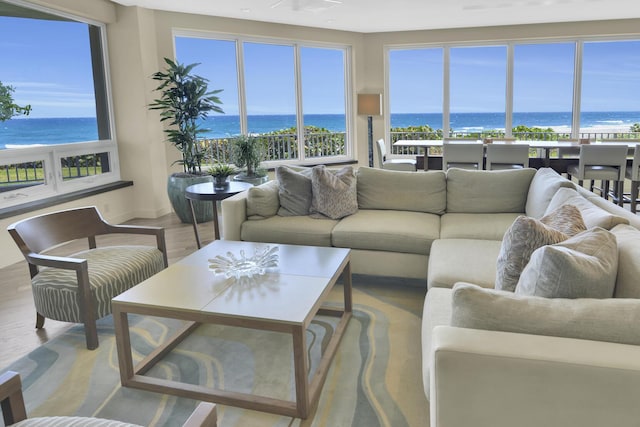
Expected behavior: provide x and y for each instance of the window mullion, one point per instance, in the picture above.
(508, 126)
(299, 110)
(577, 88)
(446, 90)
(242, 95)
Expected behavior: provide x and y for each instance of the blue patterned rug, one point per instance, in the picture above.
(375, 378)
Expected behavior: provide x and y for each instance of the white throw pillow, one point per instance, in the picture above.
(583, 266)
(544, 185)
(263, 200)
(294, 191)
(611, 320)
(593, 216)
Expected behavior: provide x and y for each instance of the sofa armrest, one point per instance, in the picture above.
(500, 379)
(234, 213)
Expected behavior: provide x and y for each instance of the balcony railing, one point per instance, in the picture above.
(278, 147)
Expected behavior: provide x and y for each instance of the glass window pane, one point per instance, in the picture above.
(217, 59)
(270, 87)
(14, 176)
(543, 87)
(84, 165)
(415, 87)
(323, 101)
(477, 89)
(610, 87)
(49, 64)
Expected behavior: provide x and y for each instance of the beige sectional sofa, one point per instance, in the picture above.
(490, 358)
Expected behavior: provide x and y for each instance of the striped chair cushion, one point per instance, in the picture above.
(112, 270)
(70, 422)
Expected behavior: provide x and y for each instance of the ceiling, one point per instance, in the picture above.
(368, 16)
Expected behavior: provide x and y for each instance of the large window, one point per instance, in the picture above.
(534, 90)
(55, 64)
(292, 96)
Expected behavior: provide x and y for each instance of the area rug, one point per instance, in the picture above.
(375, 378)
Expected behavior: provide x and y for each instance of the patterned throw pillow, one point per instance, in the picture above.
(523, 237)
(566, 219)
(334, 194)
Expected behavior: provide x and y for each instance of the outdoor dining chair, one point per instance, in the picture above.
(392, 164)
(462, 155)
(507, 156)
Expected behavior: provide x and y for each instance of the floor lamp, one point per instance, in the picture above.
(370, 104)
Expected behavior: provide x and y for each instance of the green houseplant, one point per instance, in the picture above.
(248, 152)
(184, 100)
(220, 172)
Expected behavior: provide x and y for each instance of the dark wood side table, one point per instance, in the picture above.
(207, 191)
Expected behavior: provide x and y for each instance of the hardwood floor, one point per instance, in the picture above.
(18, 335)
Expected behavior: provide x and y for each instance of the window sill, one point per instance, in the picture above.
(63, 198)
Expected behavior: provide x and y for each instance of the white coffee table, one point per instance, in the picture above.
(188, 290)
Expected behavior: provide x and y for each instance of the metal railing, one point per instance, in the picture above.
(27, 174)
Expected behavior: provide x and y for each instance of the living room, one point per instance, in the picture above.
(139, 39)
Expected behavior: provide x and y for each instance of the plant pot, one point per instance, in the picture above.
(251, 179)
(176, 185)
(220, 182)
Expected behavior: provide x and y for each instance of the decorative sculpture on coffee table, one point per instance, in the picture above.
(243, 266)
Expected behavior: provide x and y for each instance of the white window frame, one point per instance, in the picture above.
(296, 45)
(51, 154)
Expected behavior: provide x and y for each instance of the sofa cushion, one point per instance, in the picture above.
(298, 230)
(583, 266)
(467, 260)
(612, 320)
(592, 215)
(263, 200)
(405, 191)
(385, 230)
(475, 225)
(544, 185)
(628, 279)
(294, 191)
(488, 191)
(520, 241)
(436, 312)
(333, 193)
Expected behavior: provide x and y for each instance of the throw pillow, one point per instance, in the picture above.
(566, 219)
(593, 216)
(521, 239)
(334, 194)
(583, 266)
(263, 200)
(611, 320)
(628, 279)
(544, 185)
(294, 191)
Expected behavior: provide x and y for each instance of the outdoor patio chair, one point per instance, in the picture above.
(392, 164)
(604, 162)
(79, 288)
(507, 156)
(633, 174)
(14, 411)
(462, 155)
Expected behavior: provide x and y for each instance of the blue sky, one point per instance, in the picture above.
(48, 63)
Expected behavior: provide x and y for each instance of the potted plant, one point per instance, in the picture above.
(220, 172)
(248, 152)
(184, 100)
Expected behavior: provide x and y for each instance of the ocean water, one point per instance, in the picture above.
(22, 132)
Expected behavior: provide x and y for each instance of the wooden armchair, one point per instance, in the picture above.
(13, 409)
(79, 288)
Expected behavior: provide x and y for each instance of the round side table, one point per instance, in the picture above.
(207, 191)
